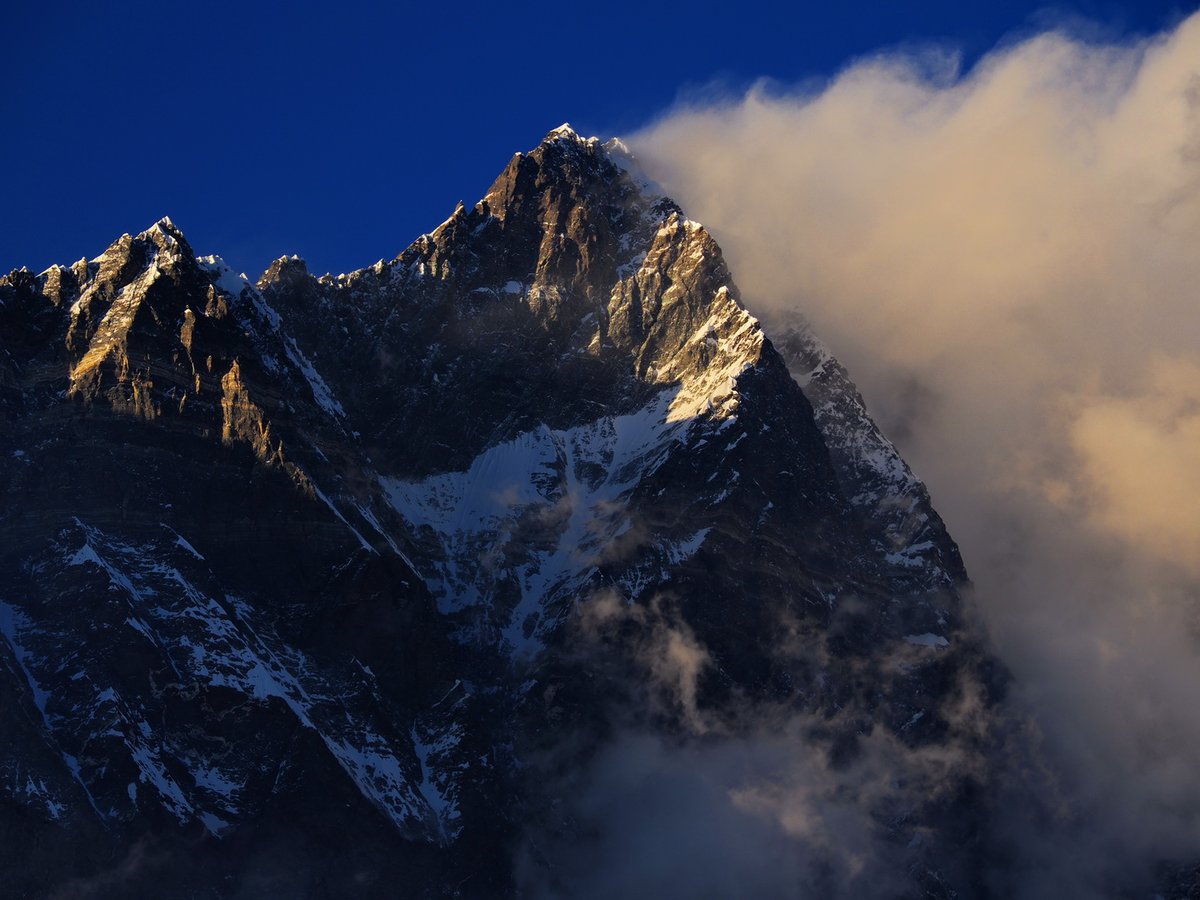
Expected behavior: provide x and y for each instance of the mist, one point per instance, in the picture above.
(732, 800)
(1006, 260)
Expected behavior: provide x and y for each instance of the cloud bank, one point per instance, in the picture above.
(1008, 262)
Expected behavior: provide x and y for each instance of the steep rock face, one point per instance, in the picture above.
(328, 546)
(894, 505)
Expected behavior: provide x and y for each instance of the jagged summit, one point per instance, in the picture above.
(566, 133)
(285, 268)
(164, 226)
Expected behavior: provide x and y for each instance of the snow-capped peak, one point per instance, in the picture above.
(163, 226)
(563, 130)
(565, 135)
(166, 235)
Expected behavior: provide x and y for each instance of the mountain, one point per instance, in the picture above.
(324, 586)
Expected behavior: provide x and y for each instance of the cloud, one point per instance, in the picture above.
(737, 817)
(666, 650)
(1006, 260)
(687, 797)
(1140, 456)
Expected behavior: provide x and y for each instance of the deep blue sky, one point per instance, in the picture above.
(341, 131)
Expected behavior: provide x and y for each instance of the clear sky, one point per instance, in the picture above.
(341, 131)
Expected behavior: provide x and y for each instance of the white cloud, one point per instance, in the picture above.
(1007, 261)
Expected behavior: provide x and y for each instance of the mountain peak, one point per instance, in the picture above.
(366, 547)
(563, 131)
(167, 236)
(564, 137)
(163, 226)
(291, 269)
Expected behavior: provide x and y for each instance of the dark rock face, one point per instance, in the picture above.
(292, 575)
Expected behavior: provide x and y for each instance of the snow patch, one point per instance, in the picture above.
(928, 639)
(562, 492)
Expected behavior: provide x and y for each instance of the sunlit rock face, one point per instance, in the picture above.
(316, 586)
